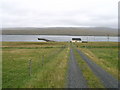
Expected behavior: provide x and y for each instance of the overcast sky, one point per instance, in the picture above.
(59, 13)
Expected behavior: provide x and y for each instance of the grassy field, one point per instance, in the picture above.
(48, 64)
(104, 54)
(0, 66)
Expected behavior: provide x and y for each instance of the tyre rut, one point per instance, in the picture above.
(75, 76)
(108, 80)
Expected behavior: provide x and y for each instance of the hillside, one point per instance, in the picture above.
(96, 31)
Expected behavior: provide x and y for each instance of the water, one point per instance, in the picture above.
(34, 38)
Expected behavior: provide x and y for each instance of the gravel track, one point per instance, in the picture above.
(75, 77)
(108, 80)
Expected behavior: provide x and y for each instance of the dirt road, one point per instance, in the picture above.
(75, 77)
(108, 80)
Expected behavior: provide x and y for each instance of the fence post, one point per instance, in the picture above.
(30, 67)
(42, 60)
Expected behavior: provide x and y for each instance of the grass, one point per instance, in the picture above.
(98, 44)
(104, 54)
(34, 44)
(92, 80)
(52, 75)
(49, 65)
(0, 67)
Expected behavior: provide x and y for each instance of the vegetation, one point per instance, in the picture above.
(104, 54)
(48, 65)
(0, 67)
(61, 31)
(33, 44)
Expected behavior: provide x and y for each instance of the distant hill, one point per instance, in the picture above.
(82, 31)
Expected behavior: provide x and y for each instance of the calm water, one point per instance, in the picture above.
(34, 38)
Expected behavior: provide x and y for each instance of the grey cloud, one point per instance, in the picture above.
(70, 14)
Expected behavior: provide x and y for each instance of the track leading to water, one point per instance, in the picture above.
(75, 77)
(108, 80)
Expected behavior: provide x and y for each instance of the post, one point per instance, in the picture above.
(39, 60)
(42, 60)
(30, 67)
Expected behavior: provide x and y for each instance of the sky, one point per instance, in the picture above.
(59, 13)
